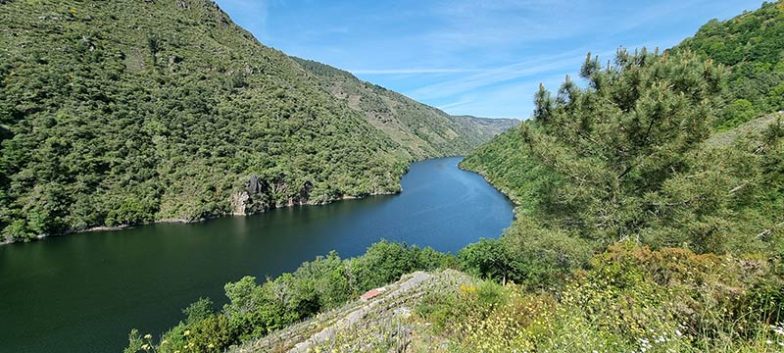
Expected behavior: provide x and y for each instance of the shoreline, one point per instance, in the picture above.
(194, 221)
(508, 194)
(120, 227)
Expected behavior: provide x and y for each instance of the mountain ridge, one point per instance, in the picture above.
(426, 129)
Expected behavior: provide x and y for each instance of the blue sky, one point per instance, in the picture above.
(483, 58)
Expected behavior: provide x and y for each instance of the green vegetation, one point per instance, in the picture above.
(625, 159)
(631, 299)
(752, 46)
(643, 225)
(127, 112)
(254, 310)
(641, 229)
(651, 200)
(424, 131)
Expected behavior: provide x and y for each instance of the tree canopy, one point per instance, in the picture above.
(127, 112)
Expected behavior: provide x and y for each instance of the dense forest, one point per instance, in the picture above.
(649, 220)
(128, 112)
(751, 44)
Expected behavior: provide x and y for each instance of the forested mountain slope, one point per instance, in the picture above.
(752, 46)
(124, 112)
(485, 128)
(423, 130)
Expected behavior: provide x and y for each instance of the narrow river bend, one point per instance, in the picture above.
(84, 292)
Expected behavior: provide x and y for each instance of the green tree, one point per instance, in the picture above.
(486, 258)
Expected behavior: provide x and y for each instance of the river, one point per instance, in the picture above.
(84, 292)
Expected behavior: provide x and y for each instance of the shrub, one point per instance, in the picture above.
(486, 258)
(541, 257)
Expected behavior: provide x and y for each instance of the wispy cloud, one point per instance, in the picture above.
(409, 71)
(459, 103)
(531, 68)
(471, 56)
(470, 23)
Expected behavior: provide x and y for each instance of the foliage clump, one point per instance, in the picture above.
(631, 299)
(750, 44)
(254, 310)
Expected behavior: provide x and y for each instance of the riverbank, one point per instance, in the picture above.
(511, 196)
(119, 227)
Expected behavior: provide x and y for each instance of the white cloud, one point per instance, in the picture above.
(560, 64)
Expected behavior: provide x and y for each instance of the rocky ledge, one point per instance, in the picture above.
(386, 320)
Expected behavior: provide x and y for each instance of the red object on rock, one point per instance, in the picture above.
(372, 294)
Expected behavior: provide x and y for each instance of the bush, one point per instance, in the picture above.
(256, 309)
(738, 112)
(630, 298)
(199, 310)
(541, 257)
(386, 261)
(209, 335)
(486, 258)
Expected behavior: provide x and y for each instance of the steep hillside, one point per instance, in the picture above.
(484, 128)
(753, 130)
(125, 112)
(423, 130)
(752, 46)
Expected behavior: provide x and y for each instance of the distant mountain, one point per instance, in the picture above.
(127, 112)
(422, 130)
(485, 128)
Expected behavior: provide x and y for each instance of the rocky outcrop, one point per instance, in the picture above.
(303, 196)
(254, 198)
(239, 203)
(259, 195)
(374, 325)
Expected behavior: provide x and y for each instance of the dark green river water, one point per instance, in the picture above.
(83, 293)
